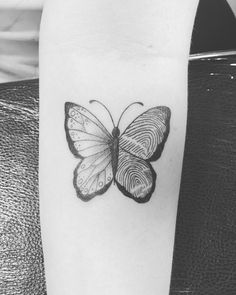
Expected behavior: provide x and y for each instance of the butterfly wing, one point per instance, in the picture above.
(141, 142)
(146, 135)
(90, 141)
(93, 175)
(135, 177)
(85, 134)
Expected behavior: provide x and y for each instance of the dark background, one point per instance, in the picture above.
(215, 27)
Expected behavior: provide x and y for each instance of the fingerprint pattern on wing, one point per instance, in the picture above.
(135, 177)
(143, 136)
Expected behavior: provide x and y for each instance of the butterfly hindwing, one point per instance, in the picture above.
(135, 177)
(85, 134)
(146, 135)
(93, 175)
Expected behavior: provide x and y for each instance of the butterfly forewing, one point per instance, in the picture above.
(85, 133)
(146, 135)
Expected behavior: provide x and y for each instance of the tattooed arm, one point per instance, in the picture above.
(124, 159)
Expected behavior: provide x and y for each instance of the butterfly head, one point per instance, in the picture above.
(115, 132)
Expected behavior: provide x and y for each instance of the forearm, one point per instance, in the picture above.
(117, 53)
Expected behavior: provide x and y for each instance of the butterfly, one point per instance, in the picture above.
(123, 159)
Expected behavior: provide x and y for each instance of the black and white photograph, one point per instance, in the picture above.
(118, 147)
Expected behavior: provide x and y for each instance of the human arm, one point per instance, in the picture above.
(117, 52)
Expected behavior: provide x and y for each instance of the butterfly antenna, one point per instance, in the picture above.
(94, 100)
(137, 102)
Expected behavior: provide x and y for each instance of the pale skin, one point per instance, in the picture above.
(118, 52)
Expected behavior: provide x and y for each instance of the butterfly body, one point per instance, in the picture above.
(122, 158)
(115, 149)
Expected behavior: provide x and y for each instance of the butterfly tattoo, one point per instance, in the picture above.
(123, 159)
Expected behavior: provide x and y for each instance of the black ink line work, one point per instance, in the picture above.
(123, 159)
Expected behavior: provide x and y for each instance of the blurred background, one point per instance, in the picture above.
(19, 36)
(214, 30)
